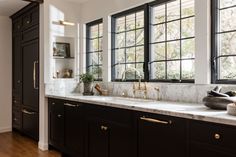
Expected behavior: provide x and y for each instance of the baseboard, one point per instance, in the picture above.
(43, 146)
(5, 129)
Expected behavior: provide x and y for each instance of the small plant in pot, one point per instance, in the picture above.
(87, 79)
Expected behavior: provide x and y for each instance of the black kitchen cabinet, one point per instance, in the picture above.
(25, 70)
(162, 136)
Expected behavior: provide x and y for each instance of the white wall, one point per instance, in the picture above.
(5, 76)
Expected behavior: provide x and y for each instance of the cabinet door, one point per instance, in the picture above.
(56, 123)
(30, 52)
(98, 138)
(161, 136)
(74, 129)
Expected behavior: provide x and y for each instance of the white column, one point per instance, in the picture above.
(203, 41)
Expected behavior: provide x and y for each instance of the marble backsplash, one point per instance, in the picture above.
(190, 93)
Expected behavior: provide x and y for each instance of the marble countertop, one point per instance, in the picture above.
(177, 109)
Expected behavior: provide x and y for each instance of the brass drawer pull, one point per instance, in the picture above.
(28, 112)
(155, 120)
(70, 105)
(104, 128)
(59, 116)
(217, 136)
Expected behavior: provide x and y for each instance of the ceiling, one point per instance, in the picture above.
(9, 7)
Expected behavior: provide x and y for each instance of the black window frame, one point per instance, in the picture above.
(88, 39)
(147, 24)
(214, 45)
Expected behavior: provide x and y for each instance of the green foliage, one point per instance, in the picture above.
(86, 78)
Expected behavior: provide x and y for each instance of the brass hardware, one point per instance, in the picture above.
(28, 112)
(70, 105)
(156, 120)
(53, 103)
(28, 22)
(18, 81)
(104, 128)
(217, 136)
(34, 74)
(15, 119)
(15, 101)
(59, 116)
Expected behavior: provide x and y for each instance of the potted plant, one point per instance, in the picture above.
(87, 79)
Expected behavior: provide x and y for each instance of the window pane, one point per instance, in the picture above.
(99, 72)
(227, 19)
(140, 54)
(100, 57)
(140, 37)
(158, 33)
(93, 45)
(227, 43)
(130, 22)
(140, 19)
(173, 10)
(93, 59)
(119, 69)
(130, 38)
(173, 50)
(227, 67)
(100, 44)
(100, 30)
(187, 8)
(173, 70)
(120, 56)
(130, 54)
(188, 69)
(94, 31)
(188, 48)
(227, 3)
(158, 52)
(173, 30)
(120, 40)
(120, 24)
(158, 70)
(188, 28)
(158, 14)
(130, 75)
(139, 67)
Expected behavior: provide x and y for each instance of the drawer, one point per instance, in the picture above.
(31, 18)
(56, 106)
(30, 34)
(213, 134)
(16, 119)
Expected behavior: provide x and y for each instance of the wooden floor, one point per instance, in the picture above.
(15, 145)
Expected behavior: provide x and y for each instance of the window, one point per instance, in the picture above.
(224, 41)
(128, 43)
(172, 44)
(94, 48)
(157, 39)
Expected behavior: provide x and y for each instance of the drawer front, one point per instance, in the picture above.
(30, 34)
(16, 119)
(31, 18)
(56, 106)
(213, 134)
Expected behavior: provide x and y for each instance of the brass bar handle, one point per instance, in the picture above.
(104, 128)
(70, 105)
(28, 112)
(156, 121)
(34, 74)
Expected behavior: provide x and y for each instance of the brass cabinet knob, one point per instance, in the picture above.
(28, 22)
(217, 136)
(104, 128)
(15, 101)
(59, 116)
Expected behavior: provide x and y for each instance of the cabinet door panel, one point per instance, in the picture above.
(31, 75)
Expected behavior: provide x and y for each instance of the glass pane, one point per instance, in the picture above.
(187, 8)
(94, 31)
(158, 33)
(158, 52)
(140, 19)
(93, 59)
(139, 67)
(120, 40)
(93, 71)
(158, 70)
(173, 70)
(188, 69)
(120, 24)
(173, 10)
(120, 56)
(140, 37)
(158, 14)
(227, 19)
(140, 54)
(188, 28)
(100, 57)
(173, 50)
(227, 3)
(99, 69)
(227, 43)
(130, 38)
(93, 46)
(100, 30)
(130, 54)
(173, 30)
(188, 48)
(100, 43)
(130, 74)
(130, 22)
(119, 69)
(227, 67)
